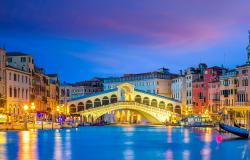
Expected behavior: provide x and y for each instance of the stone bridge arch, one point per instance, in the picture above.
(153, 114)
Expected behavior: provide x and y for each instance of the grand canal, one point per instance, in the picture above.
(122, 142)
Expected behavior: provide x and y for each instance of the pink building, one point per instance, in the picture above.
(201, 88)
(214, 97)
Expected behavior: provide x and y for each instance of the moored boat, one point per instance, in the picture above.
(244, 133)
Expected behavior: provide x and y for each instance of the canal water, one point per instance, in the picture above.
(122, 142)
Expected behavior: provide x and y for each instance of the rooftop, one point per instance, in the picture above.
(17, 54)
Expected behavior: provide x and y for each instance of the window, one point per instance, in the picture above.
(18, 93)
(15, 92)
(245, 82)
(14, 77)
(26, 94)
(9, 60)
(22, 93)
(10, 92)
(200, 95)
(244, 71)
(23, 59)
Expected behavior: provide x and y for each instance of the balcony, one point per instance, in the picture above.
(242, 103)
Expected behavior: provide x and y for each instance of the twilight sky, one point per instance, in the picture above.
(81, 39)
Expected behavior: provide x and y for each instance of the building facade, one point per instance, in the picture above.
(2, 80)
(228, 88)
(54, 94)
(243, 87)
(157, 82)
(18, 86)
(72, 91)
(40, 90)
(178, 90)
(21, 61)
(213, 97)
(201, 88)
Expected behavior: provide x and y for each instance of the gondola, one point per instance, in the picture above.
(244, 133)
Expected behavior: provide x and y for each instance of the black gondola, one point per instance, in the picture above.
(244, 133)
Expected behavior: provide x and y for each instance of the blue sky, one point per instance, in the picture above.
(88, 38)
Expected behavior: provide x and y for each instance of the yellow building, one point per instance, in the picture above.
(18, 85)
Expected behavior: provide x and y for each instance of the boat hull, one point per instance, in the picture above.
(244, 133)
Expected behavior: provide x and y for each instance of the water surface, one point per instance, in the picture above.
(118, 142)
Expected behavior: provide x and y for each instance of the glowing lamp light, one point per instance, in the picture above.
(25, 107)
(33, 106)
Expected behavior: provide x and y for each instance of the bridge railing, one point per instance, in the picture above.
(124, 103)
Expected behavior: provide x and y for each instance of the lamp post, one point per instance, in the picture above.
(25, 107)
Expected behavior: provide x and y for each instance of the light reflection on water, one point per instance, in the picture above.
(116, 142)
(27, 148)
(58, 146)
(3, 141)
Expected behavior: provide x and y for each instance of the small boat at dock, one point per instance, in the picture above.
(244, 133)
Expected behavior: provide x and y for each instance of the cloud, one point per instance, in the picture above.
(149, 24)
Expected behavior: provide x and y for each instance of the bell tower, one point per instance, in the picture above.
(248, 48)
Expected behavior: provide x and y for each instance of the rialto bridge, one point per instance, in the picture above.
(155, 108)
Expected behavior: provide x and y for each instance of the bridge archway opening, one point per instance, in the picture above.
(162, 105)
(146, 101)
(80, 106)
(126, 91)
(105, 100)
(154, 103)
(89, 104)
(146, 115)
(122, 94)
(177, 109)
(138, 98)
(170, 107)
(113, 98)
(72, 108)
(97, 102)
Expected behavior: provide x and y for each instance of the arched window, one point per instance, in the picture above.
(177, 109)
(80, 106)
(113, 99)
(105, 101)
(89, 104)
(170, 107)
(72, 108)
(97, 102)
(138, 98)
(146, 100)
(154, 103)
(162, 105)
